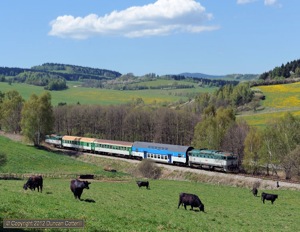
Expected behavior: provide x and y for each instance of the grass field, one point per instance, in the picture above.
(24, 159)
(122, 206)
(75, 94)
(279, 99)
(117, 204)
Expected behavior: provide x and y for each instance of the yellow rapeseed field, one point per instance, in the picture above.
(279, 99)
(281, 96)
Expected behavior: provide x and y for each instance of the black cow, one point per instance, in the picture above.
(268, 197)
(254, 191)
(77, 187)
(34, 182)
(143, 183)
(190, 199)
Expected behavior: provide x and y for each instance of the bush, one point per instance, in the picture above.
(148, 168)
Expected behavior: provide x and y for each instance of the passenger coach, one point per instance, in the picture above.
(79, 143)
(167, 153)
(113, 147)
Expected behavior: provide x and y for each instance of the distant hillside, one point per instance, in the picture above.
(237, 77)
(68, 72)
(54, 76)
(201, 75)
(78, 70)
(242, 77)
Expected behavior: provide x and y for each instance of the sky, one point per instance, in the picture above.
(215, 37)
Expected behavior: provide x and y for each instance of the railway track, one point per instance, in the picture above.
(218, 177)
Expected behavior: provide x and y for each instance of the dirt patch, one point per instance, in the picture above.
(12, 136)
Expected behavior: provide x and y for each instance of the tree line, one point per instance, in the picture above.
(290, 69)
(207, 122)
(53, 76)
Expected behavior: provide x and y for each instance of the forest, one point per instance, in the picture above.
(290, 69)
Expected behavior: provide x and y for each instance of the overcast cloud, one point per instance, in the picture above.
(163, 17)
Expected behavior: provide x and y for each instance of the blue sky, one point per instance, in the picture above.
(215, 37)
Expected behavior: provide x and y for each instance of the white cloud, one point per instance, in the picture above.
(163, 17)
(266, 2)
(270, 2)
(245, 1)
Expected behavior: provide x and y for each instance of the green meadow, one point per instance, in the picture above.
(76, 94)
(115, 203)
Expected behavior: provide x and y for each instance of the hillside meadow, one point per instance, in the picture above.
(279, 99)
(115, 203)
(75, 93)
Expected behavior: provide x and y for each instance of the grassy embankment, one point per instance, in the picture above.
(114, 205)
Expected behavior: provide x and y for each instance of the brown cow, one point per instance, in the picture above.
(34, 182)
(190, 199)
(77, 187)
(143, 183)
(268, 197)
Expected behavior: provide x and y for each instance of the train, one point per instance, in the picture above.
(162, 153)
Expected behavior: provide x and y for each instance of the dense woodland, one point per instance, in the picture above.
(290, 69)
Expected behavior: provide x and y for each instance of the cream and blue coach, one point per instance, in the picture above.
(166, 153)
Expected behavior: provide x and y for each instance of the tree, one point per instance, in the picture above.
(281, 139)
(234, 139)
(253, 144)
(297, 71)
(37, 118)
(10, 111)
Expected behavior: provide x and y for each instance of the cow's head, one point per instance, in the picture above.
(201, 207)
(86, 184)
(25, 186)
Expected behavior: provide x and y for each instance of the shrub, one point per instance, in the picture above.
(148, 168)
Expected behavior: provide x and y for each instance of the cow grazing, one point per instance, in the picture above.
(143, 183)
(77, 187)
(254, 191)
(268, 197)
(34, 182)
(190, 199)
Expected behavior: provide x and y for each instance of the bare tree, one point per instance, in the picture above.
(234, 139)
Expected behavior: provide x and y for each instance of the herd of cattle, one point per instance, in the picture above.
(185, 199)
